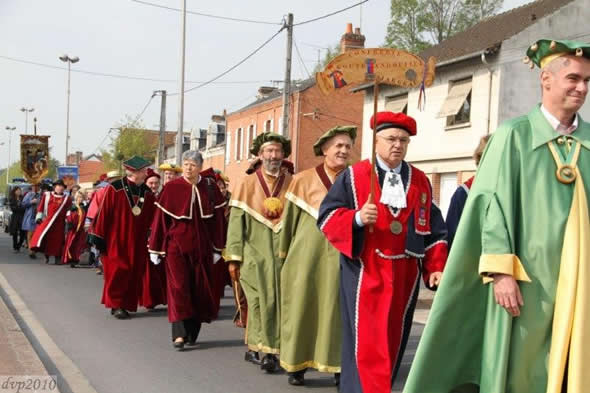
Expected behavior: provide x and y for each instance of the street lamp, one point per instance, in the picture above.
(9, 129)
(26, 111)
(70, 60)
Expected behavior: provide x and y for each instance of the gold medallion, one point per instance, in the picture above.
(423, 198)
(566, 173)
(136, 210)
(396, 227)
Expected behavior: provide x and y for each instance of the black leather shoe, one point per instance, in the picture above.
(252, 356)
(119, 313)
(337, 379)
(269, 363)
(297, 378)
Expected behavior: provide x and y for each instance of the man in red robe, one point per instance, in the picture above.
(386, 244)
(49, 235)
(153, 289)
(188, 233)
(120, 233)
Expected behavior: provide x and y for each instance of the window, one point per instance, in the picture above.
(202, 139)
(228, 149)
(251, 136)
(268, 126)
(397, 104)
(457, 105)
(239, 144)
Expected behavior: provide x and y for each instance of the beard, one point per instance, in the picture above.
(272, 165)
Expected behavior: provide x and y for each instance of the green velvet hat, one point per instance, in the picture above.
(348, 130)
(136, 163)
(544, 51)
(270, 137)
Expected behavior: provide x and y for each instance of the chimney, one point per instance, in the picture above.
(266, 91)
(351, 40)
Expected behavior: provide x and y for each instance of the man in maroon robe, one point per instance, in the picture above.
(49, 236)
(153, 289)
(120, 233)
(188, 232)
(76, 241)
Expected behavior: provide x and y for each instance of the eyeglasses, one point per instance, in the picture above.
(390, 140)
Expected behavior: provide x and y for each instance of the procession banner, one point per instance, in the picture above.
(69, 174)
(388, 66)
(34, 157)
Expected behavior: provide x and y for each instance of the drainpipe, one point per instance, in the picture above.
(490, 74)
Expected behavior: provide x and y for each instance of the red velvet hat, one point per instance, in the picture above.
(152, 173)
(102, 177)
(387, 120)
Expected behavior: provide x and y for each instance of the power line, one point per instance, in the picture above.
(301, 59)
(328, 15)
(234, 66)
(120, 76)
(208, 15)
(144, 109)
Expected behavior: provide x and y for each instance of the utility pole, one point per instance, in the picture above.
(181, 95)
(160, 155)
(287, 84)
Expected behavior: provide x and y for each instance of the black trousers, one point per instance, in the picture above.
(18, 238)
(188, 329)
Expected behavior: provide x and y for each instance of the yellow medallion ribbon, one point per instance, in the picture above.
(570, 340)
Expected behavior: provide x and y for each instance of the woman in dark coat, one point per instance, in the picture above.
(16, 219)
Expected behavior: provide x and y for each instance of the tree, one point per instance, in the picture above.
(406, 28)
(418, 24)
(130, 142)
(331, 53)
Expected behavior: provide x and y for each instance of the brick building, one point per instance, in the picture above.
(310, 115)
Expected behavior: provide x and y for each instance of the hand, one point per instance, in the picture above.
(507, 293)
(369, 213)
(234, 270)
(33, 201)
(155, 259)
(434, 279)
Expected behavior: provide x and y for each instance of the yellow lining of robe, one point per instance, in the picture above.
(310, 364)
(502, 263)
(263, 348)
(570, 342)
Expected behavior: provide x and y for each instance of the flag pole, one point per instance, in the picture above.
(373, 153)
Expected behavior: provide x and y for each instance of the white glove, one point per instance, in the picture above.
(155, 259)
(216, 257)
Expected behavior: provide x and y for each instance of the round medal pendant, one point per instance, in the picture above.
(396, 227)
(136, 210)
(566, 174)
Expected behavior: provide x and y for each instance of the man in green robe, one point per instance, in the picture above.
(310, 309)
(252, 243)
(510, 315)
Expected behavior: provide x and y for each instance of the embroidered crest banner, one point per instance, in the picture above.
(34, 157)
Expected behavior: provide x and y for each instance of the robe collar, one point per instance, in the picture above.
(544, 132)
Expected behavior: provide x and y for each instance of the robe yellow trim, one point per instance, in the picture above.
(263, 348)
(570, 342)
(310, 364)
(504, 264)
(274, 226)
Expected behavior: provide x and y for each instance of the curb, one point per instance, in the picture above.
(67, 370)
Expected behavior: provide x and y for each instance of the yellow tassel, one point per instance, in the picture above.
(579, 52)
(534, 47)
(532, 65)
(553, 45)
(526, 60)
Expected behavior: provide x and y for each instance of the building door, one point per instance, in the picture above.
(448, 185)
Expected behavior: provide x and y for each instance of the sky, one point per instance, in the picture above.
(125, 37)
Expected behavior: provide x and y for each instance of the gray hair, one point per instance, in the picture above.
(193, 155)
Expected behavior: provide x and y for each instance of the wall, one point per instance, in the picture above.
(521, 88)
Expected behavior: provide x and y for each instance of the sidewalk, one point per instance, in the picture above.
(17, 356)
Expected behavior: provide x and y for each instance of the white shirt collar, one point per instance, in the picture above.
(386, 167)
(556, 124)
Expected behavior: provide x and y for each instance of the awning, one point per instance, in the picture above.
(456, 98)
(396, 104)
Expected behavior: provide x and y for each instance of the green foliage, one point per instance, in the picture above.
(330, 53)
(417, 24)
(130, 141)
